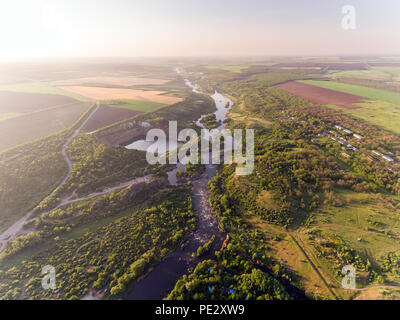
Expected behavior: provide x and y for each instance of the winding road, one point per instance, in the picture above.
(15, 229)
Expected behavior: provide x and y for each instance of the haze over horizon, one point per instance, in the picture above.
(121, 28)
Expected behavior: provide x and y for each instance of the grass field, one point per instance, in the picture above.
(392, 71)
(37, 125)
(231, 68)
(365, 223)
(37, 87)
(285, 250)
(356, 220)
(237, 68)
(136, 105)
(374, 73)
(378, 113)
(371, 93)
(382, 109)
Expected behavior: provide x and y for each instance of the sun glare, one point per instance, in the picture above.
(36, 31)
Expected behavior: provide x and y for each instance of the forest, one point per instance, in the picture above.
(110, 258)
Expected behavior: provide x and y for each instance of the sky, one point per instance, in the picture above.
(142, 28)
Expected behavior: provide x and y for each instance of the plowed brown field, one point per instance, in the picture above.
(107, 115)
(320, 95)
(21, 102)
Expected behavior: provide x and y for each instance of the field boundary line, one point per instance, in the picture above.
(312, 265)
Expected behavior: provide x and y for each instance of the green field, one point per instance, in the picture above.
(378, 113)
(365, 223)
(137, 105)
(371, 93)
(231, 68)
(363, 216)
(382, 110)
(392, 71)
(37, 87)
(37, 125)
(375, 73)
(237, 68)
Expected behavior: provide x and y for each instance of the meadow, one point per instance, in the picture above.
(379, 73)
(394, 72)
(366, 223)
(381, 114)
(371, 74)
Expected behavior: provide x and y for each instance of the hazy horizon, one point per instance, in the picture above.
(111, 29)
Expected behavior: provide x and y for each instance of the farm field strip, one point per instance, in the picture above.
(37, 125)
(25, 103)
(135, 105)
(366, 92)
(319, 95)
(95, 93)
(118, 81)
(379, 113)
(393, 72)
(38, 87)
(107, 115)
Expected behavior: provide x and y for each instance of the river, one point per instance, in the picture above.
(161, 280)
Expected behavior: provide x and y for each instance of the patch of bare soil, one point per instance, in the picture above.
(320, 95)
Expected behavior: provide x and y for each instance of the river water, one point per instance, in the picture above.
(161, 280)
